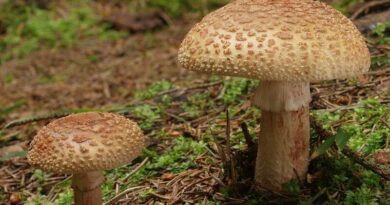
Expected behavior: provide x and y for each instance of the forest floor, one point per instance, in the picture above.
(184, 115)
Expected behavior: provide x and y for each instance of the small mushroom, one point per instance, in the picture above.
(84, 145)
(285, 44)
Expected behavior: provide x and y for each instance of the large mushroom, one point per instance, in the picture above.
(285, 44)
(84, 145)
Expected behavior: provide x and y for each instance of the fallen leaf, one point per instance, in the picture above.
(167, 176)
(382, 157)
(15, 198)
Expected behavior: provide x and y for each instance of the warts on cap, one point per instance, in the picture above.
(283, 40)
(86, 142)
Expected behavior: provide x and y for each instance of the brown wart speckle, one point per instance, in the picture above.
(80, 139)
(238, 46)
(286, 31)
(83, 149)
(93, 143)
(251, 33)
(271, 42)
(72, 155)
(285, 35)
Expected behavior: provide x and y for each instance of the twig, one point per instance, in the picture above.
(228, 150)
(360, 160)
(35, 119)
(231, 163)
(120, 195)
(378, 72)
(312, 200)
(195, 182)
(160, 196)
(301, 184)
(190, 88)
(220, 150)
(387, 125)
(176, 117)
(349, 153)
(368, 21)
(367, 6)
(136, 169)
(247, 135)
(221, 93)
(340, 108)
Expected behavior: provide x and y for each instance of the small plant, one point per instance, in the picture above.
(147, 115)
(182, 146)
(177, 159)
(65, 197)
(40, 176)
(382, 30)
(380, 61)
(38, 200)
(292, 187)
(236, 87)
(153, 89)
(361, 196)
(365, 137)
(197, 104)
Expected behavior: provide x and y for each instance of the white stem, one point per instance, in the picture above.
(283, 144)
(279, 96)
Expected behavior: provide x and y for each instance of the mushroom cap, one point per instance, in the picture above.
(275, 40)
(86, 142)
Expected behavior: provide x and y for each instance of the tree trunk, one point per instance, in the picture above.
(283, 143)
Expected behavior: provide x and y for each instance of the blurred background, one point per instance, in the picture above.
(57, 54)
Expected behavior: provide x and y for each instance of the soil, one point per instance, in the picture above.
(93, 73)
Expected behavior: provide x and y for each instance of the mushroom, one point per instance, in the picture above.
(285, 44)
(84, 145)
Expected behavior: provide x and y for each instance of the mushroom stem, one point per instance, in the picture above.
(86, 187)
(283, 144)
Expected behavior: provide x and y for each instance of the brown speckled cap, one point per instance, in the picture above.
(291, 40)
(86, 142)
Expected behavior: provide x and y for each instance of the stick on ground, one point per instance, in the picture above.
(324, 134)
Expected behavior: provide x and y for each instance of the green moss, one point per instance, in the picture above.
(198, 104)
(147, 115)
(38, 200)
(29, 28)
(236, 88)
(361, 196)
(153, 89)
(65, 197)
(365, 125)
(382, 30)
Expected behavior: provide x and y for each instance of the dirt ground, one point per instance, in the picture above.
(94, 73)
